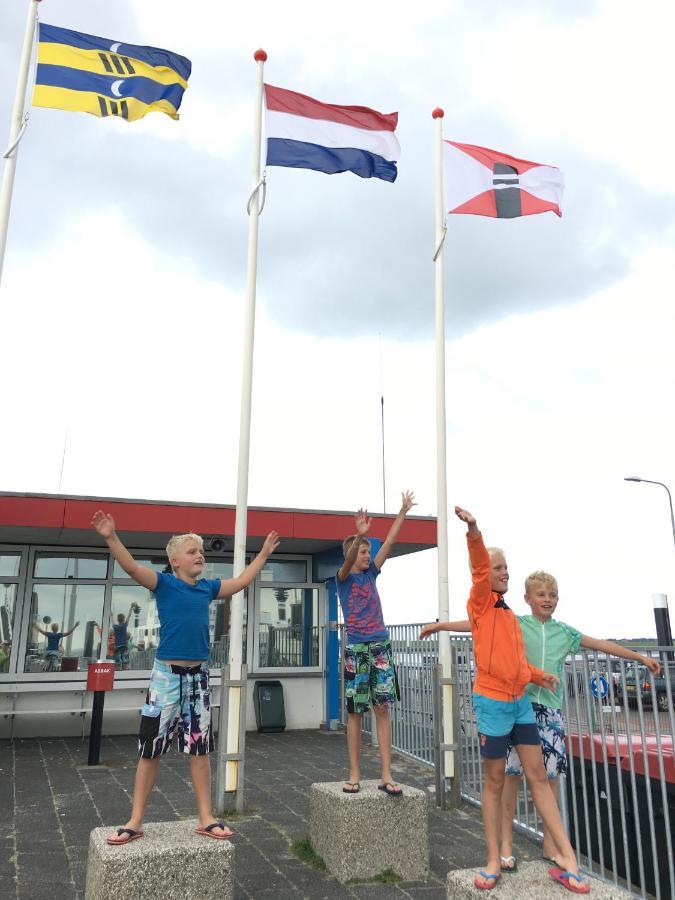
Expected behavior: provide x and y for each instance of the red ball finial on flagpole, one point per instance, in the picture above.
(437, 113)
(260, 56)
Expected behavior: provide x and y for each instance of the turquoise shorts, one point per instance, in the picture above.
(503, 722)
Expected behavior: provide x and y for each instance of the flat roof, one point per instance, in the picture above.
(58, 519)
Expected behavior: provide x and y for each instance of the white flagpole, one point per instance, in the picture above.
(16, 128)
(230, 781)
(441, 465)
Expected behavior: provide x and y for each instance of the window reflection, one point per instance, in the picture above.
(9, 565)
(65, 627)
(61, 565)
(7, 607)
(133, 635)
(156, 563)
(288, 635)
(285, 570)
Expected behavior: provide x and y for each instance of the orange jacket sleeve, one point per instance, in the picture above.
(480, 598)
(536, 676)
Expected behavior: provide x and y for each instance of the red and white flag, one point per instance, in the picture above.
(483, 182)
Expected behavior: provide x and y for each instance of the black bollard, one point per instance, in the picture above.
(96, 728)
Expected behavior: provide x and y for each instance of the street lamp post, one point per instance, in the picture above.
(663, 632)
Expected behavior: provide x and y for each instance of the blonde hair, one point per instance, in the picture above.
(495, 551)
(492, 552)
(540, 577)
(348, 543)
(177, 542)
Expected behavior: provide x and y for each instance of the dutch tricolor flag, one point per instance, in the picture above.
(304, 133)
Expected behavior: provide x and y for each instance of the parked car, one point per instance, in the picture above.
(638, 678)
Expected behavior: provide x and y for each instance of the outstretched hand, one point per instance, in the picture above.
(362, 522)
(103, 523)
(427, 630)
(550, 681)
(465, 516)
(271, 543)
(652, 664)
(408, 501)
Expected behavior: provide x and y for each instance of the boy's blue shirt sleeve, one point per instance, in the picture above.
(161, 581)
(373, 569)
(214, 584)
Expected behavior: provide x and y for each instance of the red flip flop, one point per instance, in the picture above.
(565, 878)
(208, 831)
(123, 836)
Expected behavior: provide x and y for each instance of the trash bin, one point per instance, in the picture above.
(606, 816)
(650, 783)
(268, 700)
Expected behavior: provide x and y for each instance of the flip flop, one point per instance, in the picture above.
(487, 876)
(354, 788)
(124, 836)
(390, 789)
(508, 863)
(565, 878)
(208, 831)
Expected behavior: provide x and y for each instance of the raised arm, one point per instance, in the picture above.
(613, 649)
(67, 633)
(480, 597)
(104, 524)
(231, 586)
(407, 503)
(434, 627)
(41, 630)
(362, 524)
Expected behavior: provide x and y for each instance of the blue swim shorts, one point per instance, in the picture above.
(177, 698)
(503, 722)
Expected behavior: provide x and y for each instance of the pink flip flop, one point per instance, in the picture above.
(208, 831)
(487, 876)
(565, 879)
(124, 836)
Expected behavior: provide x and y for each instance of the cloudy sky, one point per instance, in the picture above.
(121, 303)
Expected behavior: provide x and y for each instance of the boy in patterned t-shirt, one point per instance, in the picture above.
(369, 674)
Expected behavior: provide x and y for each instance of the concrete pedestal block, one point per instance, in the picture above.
(530, 882)
(363, 835)
(170, 862)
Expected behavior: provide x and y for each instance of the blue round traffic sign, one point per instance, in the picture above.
(599, 686)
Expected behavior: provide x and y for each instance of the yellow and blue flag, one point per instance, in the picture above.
(83, 73)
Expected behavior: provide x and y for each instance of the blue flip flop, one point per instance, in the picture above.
(487, 876)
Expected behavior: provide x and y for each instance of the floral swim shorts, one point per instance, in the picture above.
(370, 677)
(552, 737)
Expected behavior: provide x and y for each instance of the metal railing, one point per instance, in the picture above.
(618, 799)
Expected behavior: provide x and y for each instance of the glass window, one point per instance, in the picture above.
(285, 570)
(219, 627)
(7, 607)
(156, 563)
(134, 628)
(220, 569)
(9, 565)
(61, 565)
(65, 630)
(288, 635)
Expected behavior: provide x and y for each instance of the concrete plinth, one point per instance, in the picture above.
(170, 862)
(530, 882)
(363, 835)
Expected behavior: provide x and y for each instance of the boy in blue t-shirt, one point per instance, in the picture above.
(54, 638)
(369, 674)
(178, 695)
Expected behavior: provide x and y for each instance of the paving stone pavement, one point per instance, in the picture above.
(51, 800)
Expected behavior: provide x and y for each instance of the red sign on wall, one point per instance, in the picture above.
(100, 676)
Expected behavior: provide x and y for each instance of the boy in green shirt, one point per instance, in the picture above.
(547, 643)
